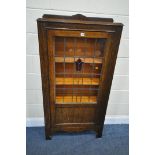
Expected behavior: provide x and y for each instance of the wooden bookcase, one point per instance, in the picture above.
(77, 57)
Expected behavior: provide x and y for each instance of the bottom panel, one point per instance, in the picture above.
(77, 127)
(74, 115)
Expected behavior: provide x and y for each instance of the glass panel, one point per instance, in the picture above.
(78, 65)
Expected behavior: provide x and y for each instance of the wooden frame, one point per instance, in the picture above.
(77, 117)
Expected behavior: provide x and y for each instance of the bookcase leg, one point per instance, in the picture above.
(48, 134)
(48, 137)
(98, 134)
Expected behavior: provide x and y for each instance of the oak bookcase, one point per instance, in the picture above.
(77, 57)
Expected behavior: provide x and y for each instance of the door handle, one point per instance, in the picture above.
(79, 64)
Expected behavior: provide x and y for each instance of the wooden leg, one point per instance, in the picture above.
(98, 135)
(48, 137)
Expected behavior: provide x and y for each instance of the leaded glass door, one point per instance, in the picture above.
(77, 60)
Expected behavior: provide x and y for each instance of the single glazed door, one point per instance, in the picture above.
(76, 61)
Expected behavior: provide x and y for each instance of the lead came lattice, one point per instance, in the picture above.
(78, 64)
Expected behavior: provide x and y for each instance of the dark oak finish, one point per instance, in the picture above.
(77, 57)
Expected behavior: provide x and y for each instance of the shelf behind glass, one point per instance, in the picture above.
(75, 99)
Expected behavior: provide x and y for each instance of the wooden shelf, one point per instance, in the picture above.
(85, 60)
(77, 81)
(75, 99)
